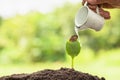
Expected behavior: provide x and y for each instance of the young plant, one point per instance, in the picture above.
(73, 48)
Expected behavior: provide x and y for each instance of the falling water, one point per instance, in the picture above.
(76, 31)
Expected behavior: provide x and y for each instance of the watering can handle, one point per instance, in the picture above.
(97, 9)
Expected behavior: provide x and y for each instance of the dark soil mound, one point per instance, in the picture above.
(62, 74)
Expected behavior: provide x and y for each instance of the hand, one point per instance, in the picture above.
(92, 4)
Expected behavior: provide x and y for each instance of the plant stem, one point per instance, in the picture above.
(72, 62)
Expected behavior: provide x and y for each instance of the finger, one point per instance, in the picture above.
(105, 5)
(105, 14)
(93, 7)
(97, 1)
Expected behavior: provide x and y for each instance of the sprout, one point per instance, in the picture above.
(73, 48)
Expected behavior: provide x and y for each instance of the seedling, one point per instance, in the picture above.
(73, 48)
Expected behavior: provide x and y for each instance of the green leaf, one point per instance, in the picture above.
(73, 48)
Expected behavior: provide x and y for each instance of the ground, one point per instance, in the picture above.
(48, 74)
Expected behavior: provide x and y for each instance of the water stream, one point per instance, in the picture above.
(76, 31)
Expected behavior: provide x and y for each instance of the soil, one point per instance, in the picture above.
(48, 74)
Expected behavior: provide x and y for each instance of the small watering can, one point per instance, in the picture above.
(86, 18)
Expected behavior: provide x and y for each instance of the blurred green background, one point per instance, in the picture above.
(36, 41)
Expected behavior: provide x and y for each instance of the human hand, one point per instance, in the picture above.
(92, 4)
